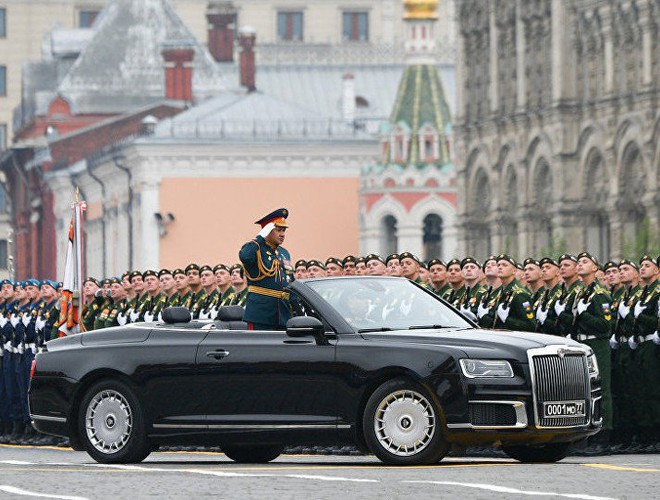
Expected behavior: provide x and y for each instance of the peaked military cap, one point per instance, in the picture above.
(567, 256)
(626, 262)
(163, 272)
(373, 256)
(205, 267)
(349, 258)
(149, 272)
(190, 267)
(530, 260)
(392, 256)
(277, 217)
(469, 260)
(334, 260)
(409, 255)
(453, 262)
(178, 270)
(220, 266)
(301, 263)
(508, 258)
(548, 260)
(650, 259)
(587, 255)
(131, 275)
(436, 262)
(316, 263)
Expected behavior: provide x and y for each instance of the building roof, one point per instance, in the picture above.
(122, 65)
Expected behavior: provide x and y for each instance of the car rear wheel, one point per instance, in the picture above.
(252, 454)
(111, 424)
(546, 453)
(401, 425)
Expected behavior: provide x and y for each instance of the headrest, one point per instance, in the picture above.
(176, 315)
(230, 313)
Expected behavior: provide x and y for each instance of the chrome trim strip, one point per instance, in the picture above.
(255, 426)
(48, 418)
(521, 417)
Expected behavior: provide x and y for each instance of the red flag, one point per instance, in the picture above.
(72, 284)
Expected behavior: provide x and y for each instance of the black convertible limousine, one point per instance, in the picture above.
(376, 362)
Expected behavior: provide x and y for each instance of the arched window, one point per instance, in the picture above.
(432, 236)
(390, 236)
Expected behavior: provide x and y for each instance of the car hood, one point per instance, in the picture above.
(476, 343)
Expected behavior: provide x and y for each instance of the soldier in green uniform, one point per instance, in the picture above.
(239, 285)
(137, 303)
(513, 308)
(393, 265)
(225, 290)
(456, 282)
(93, 302)
(167, 288)
(438, 275)
(265, 262)
(560, 319)
(209, 306)
(375, 265)
(300, 270)
(533, 278)
(349, 265)
(195, 283)
(552, 291)
(155, 301)
(410, 268)
(474, 290)
(613, 281)
(183, 296)
(333, 267)
(117, 313)
(315, 269)
(592, 325)
(493, 286)
(360, 266)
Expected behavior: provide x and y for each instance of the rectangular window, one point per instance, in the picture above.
(3, 136)
(355, 26)
(86, 18)
(3, 22)
(290, 26)
(3, 80)
(3, 254)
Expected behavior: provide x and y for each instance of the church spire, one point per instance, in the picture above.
(420, 19)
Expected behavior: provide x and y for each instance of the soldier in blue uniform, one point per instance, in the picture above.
(266, 262)
(6, 375)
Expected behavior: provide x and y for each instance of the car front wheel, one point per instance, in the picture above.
(401, 425)
(252, 454)
(111, 424)
(546, 453)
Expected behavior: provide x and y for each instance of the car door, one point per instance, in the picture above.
(266, 380)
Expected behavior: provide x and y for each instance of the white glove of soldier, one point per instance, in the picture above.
(632, 343)
(213, 313)
(582, 306)
(656, 338)
(624, 309)
(14, 320)
(503, 312)
(482, 310)
(560, 307)
(541, 315)
(465, 309)
(203, 314)
(121, 319)
(265, 231)
(148, 317)
(614, 343)
(134, 316)
(39, 324)
(7, 346)
(160, 317)
(639, 308)
(3, 321)
(26, 319)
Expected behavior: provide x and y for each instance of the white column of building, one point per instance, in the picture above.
(493, 58)
(148, 253)
(410, 235)
(520, 58)
(559, 38)
(609, 54)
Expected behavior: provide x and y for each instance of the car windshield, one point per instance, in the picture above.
(382, 304)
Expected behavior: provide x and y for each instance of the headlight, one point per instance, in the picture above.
(592, 364)
(478, 368)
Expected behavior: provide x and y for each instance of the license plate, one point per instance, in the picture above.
(555, 409)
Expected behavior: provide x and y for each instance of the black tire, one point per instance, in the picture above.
(547, 453)
(111, 424)
(402, 426)
(252, 454)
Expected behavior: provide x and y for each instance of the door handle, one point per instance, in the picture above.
(219, 354)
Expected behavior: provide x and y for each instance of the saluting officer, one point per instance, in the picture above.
(265, 262)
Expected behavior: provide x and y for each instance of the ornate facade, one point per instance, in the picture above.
(557, 138)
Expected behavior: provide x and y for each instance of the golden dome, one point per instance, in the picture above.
(420, 9)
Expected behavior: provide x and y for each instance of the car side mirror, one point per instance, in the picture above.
(306, 326)
(176, 315)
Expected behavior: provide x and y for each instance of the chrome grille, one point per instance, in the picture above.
(560, 378)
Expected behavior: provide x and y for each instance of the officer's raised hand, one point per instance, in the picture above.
(265, 231)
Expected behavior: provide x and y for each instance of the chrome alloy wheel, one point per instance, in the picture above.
(108, 421)
(404, 423)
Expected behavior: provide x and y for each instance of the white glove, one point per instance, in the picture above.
(121, 319)
(214, 313)
(656, 338)
(8, 346)
(560, 307)
(582, 306)
(482, 310)
(26, 319)
(134, 316)
(614, 343)
(503, 312)
(160, 316)
(40, 323)
(265, 231)
(541, 315)
(465, 309)
(623, 310)
(3, 321)
(148, 317)
(632, 343)
(14, 320)
(203, 314)
(638, 309)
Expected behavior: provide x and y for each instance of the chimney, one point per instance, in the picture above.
(348, 97)
(221, 17)
(247, 37)
(178, 56)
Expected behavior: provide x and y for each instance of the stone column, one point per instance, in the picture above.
(520, 58)
(149, 237)
(608, 49)
(493, 58)
(410, 236)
